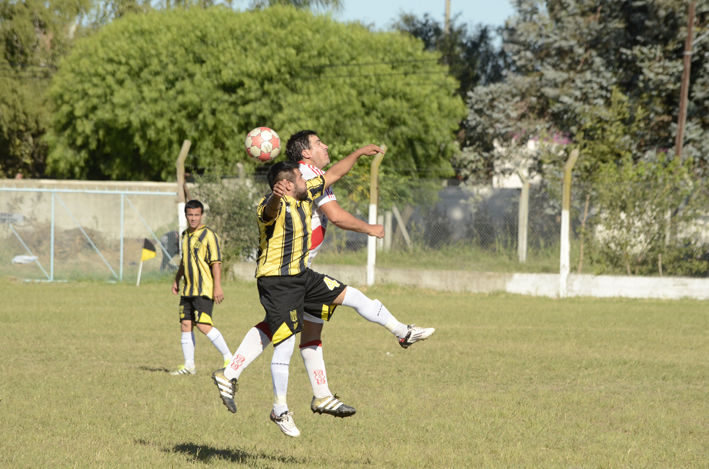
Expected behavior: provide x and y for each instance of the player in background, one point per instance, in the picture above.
(305, 147)
(201, 267)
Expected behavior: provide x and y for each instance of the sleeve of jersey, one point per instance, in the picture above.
(214, 250)
(327, 196)
(316, 187)
(262, 208)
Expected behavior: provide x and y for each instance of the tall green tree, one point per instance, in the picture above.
(566, 55)
(127, 98)
(471, 54)
(34, 36)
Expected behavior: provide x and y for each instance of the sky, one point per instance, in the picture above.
(382, 13)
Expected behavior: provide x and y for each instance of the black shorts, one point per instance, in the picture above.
(285, 298)
(197, 309)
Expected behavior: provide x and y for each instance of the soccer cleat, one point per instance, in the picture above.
(331, 405)
(286, 423)
(415, 334)
(227, 389)
(183, 370)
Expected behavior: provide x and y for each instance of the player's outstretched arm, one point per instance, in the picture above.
(346, 221)
(343, 166)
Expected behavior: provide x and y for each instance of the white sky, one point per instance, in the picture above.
(383, 12)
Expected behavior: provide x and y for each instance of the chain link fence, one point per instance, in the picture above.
(50, 234)
(441, 224)
(430, 224)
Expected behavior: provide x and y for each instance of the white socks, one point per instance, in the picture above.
(188, 349)
(315, 366)
(373, 311)
(279, 373)
(218, 341)
(254, 343)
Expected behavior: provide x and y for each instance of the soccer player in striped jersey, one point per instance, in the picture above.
(201, 268)
(311, 154)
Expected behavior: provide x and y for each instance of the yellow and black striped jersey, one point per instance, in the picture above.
(199, 251)
(284, 242)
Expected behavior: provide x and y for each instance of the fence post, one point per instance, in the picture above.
(51, 245)
(388, 234)
(180, 164)
(373, 201)
(565, 225)
(120, 272)
(523, 223)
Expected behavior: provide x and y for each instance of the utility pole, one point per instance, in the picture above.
(684, 90)
(447, 24)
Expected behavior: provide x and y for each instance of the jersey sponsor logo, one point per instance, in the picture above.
(237, 362)
(331, 284)
(319, 376)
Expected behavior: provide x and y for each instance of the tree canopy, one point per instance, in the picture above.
(565, 56)
(126, 98)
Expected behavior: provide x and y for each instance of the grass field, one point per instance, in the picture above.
(506, 381)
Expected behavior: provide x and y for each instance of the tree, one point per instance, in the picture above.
(471, 55)
(33, 37)
(126, 99)
(566, 55)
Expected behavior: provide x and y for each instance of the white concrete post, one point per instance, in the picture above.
(373, 201)
(565, 222)
(523, 221)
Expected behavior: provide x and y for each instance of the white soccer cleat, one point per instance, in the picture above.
(416, 334)
(183, 370)
(331, 405)
(227, 389)
(286, 423)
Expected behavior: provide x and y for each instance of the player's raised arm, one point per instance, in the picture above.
(343, 166)
(274, 202)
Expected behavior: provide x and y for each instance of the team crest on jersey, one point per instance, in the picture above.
(197, 244)
(331, 284)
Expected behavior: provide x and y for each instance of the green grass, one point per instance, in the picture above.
(506, 381)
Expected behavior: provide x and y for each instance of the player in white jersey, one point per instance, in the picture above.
(306, 148)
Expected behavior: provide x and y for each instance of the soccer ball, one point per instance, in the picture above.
(263, 144)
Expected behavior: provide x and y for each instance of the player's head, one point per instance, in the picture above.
(193, 212)
(305, 145)
(290, 171)
(194, 203)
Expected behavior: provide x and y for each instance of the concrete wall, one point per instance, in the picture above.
(100, 212)
(600, 286)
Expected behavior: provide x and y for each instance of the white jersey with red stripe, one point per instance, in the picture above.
(319, 220)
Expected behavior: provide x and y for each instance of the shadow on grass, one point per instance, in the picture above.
(154, 370)
(194, 452)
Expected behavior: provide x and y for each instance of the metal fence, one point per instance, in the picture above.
(57, 234)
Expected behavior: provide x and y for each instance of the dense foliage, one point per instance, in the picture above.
(127, 97)
(567, 55)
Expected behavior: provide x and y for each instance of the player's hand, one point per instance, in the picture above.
(376, 230)
(175, 288)
(280, 188)
(370, 150)
(218, 295)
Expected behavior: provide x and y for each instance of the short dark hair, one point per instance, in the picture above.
(298, 142)
(194, 203)
(282, 170)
